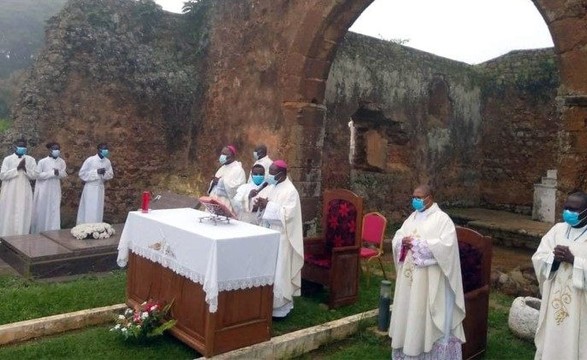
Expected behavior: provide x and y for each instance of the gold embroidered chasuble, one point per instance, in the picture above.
(562, 325)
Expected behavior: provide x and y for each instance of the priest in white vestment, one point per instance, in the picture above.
(228, 178)
(560, 263)
(246, 195)
(428, 304)
(47, 197)
(16, 195)
(261, 158)
(283, 212)
(95, 171)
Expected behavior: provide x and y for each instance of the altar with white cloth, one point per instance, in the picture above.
(219, 275)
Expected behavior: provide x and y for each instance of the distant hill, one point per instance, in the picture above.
(22, 24)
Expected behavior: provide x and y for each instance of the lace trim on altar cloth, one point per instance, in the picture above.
(441, 350)
(210, 288)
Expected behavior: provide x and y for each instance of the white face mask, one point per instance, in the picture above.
(255, 156)
(55, 153)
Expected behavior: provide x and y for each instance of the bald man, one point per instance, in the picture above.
(428, 304)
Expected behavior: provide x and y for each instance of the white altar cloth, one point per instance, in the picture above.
(221, 257)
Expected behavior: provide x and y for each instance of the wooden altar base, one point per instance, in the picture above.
(243, 317)
(57, 253)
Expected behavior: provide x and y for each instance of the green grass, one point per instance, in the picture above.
(501, 344)
(23, 300)
(97, 343)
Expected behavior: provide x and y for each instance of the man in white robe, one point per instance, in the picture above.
(47, 198)
(261, 158)
(560, 263)
(247, 194)
(95, 171)
(16, 195)
(283, 212)
(428, 304)
(228, 178)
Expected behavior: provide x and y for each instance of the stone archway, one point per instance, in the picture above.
(312, 51)
(306, 69)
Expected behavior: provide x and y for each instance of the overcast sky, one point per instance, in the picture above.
(472, 31)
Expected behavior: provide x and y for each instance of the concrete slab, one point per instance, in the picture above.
(35, 246)
(505, 228)
(65, 239)
(57, 253)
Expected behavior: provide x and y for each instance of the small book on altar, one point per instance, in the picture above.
(215, 207)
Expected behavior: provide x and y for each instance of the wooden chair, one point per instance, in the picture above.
(475, 253)
(332, 259)
(374, 224)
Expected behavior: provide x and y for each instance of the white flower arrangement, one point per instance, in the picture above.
(92, 231)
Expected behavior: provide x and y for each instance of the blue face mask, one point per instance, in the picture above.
(418, 204)
(222, 159)
(104, 152)
(258, 179)
(255, 156)
(20, 150)
(271, 180)
(572, 217)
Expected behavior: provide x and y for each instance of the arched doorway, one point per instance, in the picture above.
(313, 48)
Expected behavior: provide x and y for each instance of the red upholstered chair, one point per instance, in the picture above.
(332, 259)
(374, 225)
(475, 252)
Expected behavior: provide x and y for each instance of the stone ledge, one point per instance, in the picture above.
(50, 325)
(301, 341)
(287, 345)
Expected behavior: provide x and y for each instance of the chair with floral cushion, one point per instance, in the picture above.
(374, 225)
(475, 254)
(332, 260)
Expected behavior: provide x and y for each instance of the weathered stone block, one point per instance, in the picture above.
(523, 317)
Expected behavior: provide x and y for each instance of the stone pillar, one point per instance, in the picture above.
(304, 141)
(544, 206)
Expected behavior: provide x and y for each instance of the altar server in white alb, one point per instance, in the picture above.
(16, 196)
(283, 212)
(428, 304)
(95, 171)
(47, 198)
(560, 263)
(228, 177)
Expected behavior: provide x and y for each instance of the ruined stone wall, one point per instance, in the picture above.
(168, 91)
(416, 118)
(120, 72)
(520, 127)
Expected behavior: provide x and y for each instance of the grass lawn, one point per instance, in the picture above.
(22, 300)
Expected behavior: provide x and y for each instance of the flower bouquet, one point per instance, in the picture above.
(143, 322)
(92, 231)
